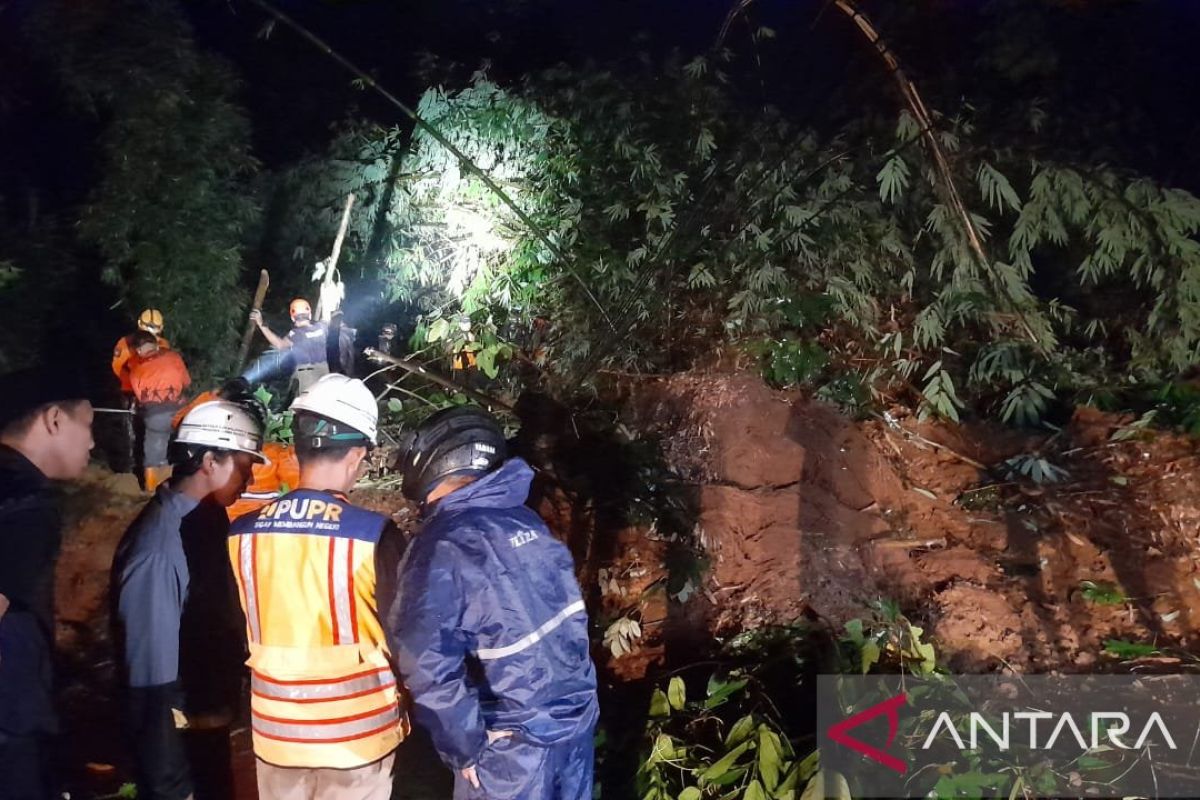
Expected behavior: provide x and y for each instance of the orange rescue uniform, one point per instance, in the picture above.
(124, 359)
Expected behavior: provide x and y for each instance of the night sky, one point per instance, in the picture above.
(1134, 60)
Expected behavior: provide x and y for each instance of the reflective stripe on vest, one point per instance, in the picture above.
(248, 562)
(490, 653)
(322, 691)
(341, 591)
(328, 731)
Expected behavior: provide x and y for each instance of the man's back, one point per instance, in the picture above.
(517, 605)
(161, 378)
(309, 343)
(323, 691)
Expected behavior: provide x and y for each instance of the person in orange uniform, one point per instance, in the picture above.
(123, 360)
(325, 705)
(269, 481)
(158, 379)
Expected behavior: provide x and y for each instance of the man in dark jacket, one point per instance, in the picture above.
(487, 625)
(176, 605)
(45, 434)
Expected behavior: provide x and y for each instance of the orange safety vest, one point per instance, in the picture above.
(322, 690)
(161, 378)
(269, 481)
(124, 358)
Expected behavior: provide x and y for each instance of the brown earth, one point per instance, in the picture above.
(804, 512)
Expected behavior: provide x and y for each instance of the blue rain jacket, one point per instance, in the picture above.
(488, 627)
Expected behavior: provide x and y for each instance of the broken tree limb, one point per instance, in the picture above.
(466, 163)
(435, 378)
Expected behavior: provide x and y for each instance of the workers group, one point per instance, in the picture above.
(475, 628)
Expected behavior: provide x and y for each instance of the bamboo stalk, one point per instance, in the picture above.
(913, 98)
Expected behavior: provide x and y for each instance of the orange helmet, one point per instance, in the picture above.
(299, 306)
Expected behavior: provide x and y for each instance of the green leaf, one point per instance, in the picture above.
(722, 691)
(1124, 649)
(769, 756)
(394, 405)
(892, 179)
(1102, 593)
(663, 750)
(724, 765)
(438, 330)
(754, 792)
(485, 359)
(677, 693)
(799, 772)
(690, 793)
(826, 783)
(870, 655)
(659, 707)
(740, 731)
(996, 189)
(731, 777)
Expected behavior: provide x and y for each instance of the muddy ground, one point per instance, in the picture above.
(800, 513)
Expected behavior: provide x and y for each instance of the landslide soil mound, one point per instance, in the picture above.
(803, 512)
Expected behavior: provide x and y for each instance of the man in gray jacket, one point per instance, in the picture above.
(177, 609)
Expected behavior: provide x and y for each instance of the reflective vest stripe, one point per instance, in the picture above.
(341, 590)
(489, 653)
(318, 691)
(350, 603)
(342, 729)
(390, 725)
(248, 558)
(260, 495)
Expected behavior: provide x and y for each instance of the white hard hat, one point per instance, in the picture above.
(344, 400)
(225, 426)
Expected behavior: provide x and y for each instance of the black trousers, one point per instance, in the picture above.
(25, 770)
(173, 763)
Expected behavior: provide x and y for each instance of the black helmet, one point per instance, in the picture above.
(456, 441)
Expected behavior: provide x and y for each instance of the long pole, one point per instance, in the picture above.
(330, 300)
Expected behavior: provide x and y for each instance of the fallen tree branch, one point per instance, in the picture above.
(435, 378)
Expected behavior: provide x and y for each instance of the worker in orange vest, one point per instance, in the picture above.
(124, 358)
(325, 705)
(158, 380)
(269, 481)
(123, 361)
